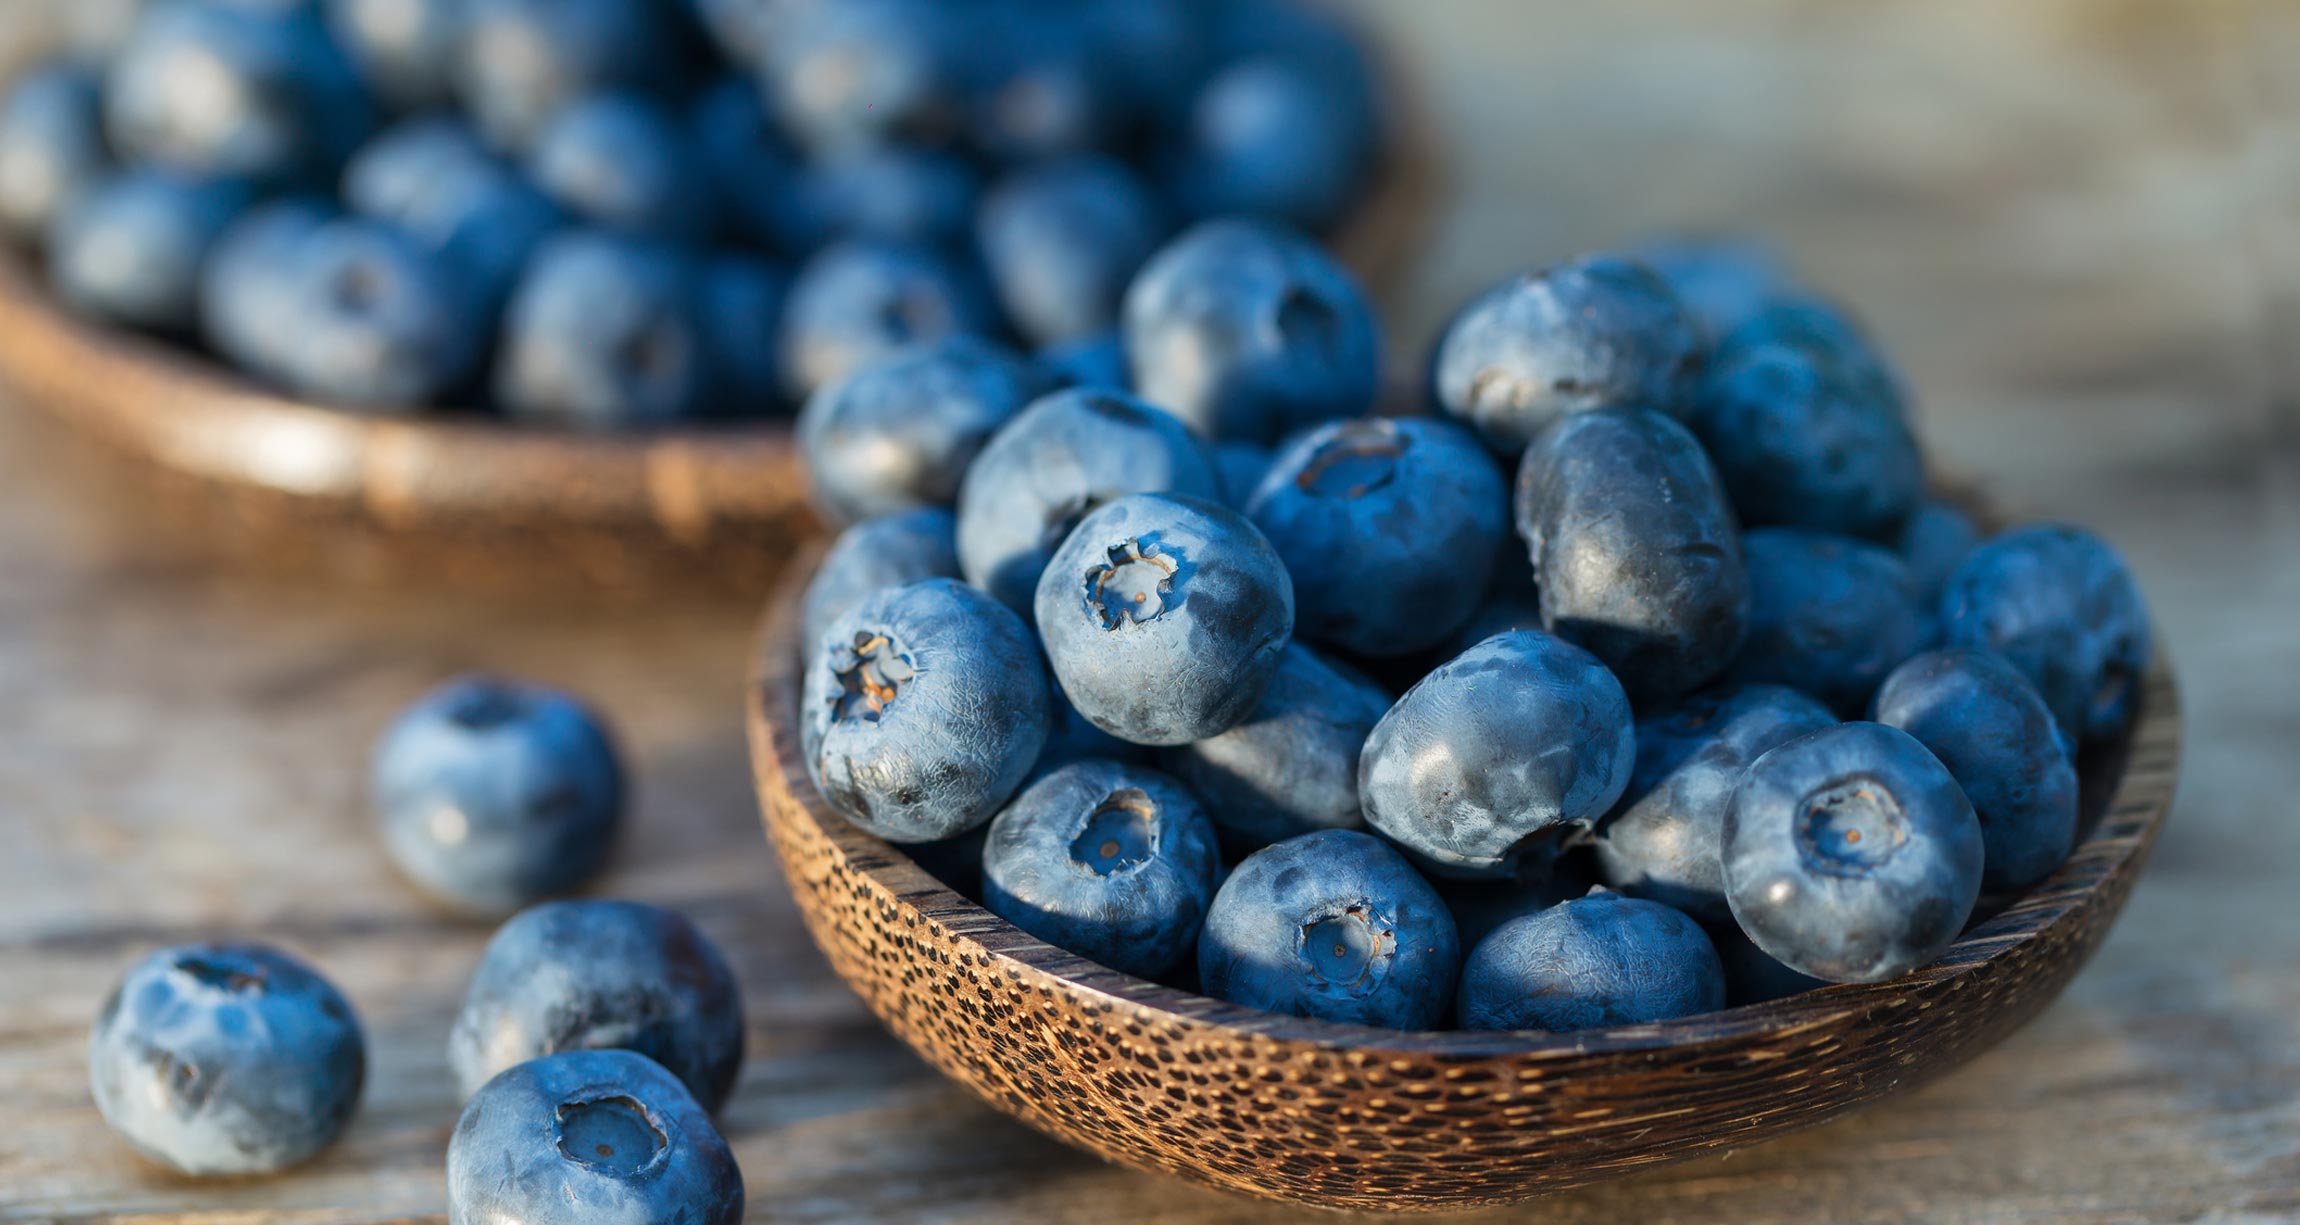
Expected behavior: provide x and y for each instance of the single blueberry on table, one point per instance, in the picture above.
(1113, 862)
(1097, 361)
(519, 63)
(1724, 282)
(1165, 617)
(742, 311)
(856, 301)
(1597, 332)
(602, 1137)
(757, 180)
(900, 431)
(893, 193)
(1333, 925)
(1061, 457)
(1802, 446)
(1827, 336)
(1245, 329)
(1062, 241)
(1934, 540)
(1274, 138)
(924, 707)
(248, 311)
(1986, 723)
(624, 161)
(1292, 766)
(433, 178)
(605, 331)
(568, 976)
(1827, 614)
(493, 794)
(888, 551)
(1851, 854)
(51, 146)
(404, 49)
(384, 324)
(1503, 753)
(866, 72)
(1389, 528)
(2060, 605)
(1665, 841)
(1599, 960)
(1635, 551)
(131, 250)
(223, 1059)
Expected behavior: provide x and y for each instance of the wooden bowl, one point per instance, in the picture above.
(1343, 1116)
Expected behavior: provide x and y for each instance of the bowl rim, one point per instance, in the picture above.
(2130, 814)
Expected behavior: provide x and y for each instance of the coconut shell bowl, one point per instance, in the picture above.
(1341, 1116)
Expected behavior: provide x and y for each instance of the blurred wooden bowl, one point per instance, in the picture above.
(1343, 1116)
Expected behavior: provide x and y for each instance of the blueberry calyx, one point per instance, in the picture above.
(1354, 462)
(1349, 947)
(1118, 834)
(238, 980)
(614, 1135)
(870, 681)
(1851, 827)
(1136, 583)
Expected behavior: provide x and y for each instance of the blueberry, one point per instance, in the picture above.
(1241, 465)
(1595, 961)
(1113, 862)
(384, 324)
(521, 62)
(623, 161)
(235, 91)
(1635, 550)
(888, 551)
(857, 301)
(1273, 138)
(1064, 239)
(1829, 338)
(925, 706)
(757, 180)
(1752, 976)
(604, 331)
(1097, 360)
(1389, 528)
(742, 311)
(248, 310)
(433, 179)
(1827, 614)
(570, 976)
(1934, 540)
(1508, 750)
(899, 432)
(864, 72)
(1292, 766)
(51, 147)
(493, 794)
(606, 1137)
(1724, 282)
(894, 193)
(1986, 723)
(131, 249)
(1480, 906)
(1664, 841)
(1245, 329)
(2060, 605)
(404, 49)
(1061, 457)
(1851, 854)
(223, 1059)
(1332, 925)
(1069, 738)
(1043, 88)
(1164, 617)
(1597, 332)
(1801, 447)
(1154, 52)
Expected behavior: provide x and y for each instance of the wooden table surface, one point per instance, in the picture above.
(2073, 219)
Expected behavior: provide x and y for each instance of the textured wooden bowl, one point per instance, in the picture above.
(1348, 1117)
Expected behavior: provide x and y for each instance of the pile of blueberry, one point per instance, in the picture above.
(1197, 670)
(596, 1039)
(602, 213)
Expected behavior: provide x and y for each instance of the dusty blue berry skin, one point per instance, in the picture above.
(1596, 332)
(888, 551)
(742, 311)
(235, 91)
(2060, 605)
(1664, 840)
(1113, 862)
(900, 432)
(131, 250)
(925, 706)
(758, 181)
(605, 1137)
(433, 178)
(1061, 457)
(1333, 925)
(1098, 360)
(865, 72)
(604, 332)
(1042, 88)
(248, 311)
(1062, 241)
(1595, 961)
(1933, 541)
(1799, 446)
(625, 161)
(493, 794)
(51, 146)
(1829, 615)
(1985, 722)
(1723, 281)
(1635, 550)
(1389, 527)
(1164, 617)
(1069, 738)
(1292, 766)
(1274, 138)
(857, 301)
(404, 49)
(596, 975)
(522, 62)
(224, 1059)
(1829, 337)
(1241, 465)
(893, 193)
(383, 323)
(1503, 752)
(1851, 854)
(1245, 329)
